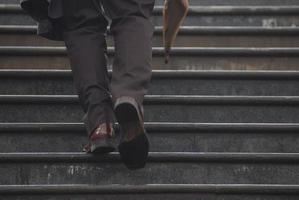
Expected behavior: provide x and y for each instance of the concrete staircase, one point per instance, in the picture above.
(222, 116)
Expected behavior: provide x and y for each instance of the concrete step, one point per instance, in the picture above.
(170, 82)
(164, 137)
(211, 2)
(159, 108)
(151, 191)
(189, 36)
(11, 14)
(266, 16)
(19, 57)
(162, 168)
(229, 2)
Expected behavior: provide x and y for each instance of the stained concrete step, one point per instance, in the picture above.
(182, 58)
(230, 2)
(189, 36)
(170, 82)
(151, 191)
(164, 137)
(211, 2)
(159, 108)
(237, 16)
(162, 168)
(11, 14)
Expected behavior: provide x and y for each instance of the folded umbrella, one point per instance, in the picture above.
(174, 14)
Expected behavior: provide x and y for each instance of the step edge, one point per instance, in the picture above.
(154, 157)
(159, 51)
(199, 10)
(162, 99)
(212, 74)
(158, 127)
(150, 188)
(236, 10)
(186, 30)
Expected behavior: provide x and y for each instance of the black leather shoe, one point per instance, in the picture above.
(102, 140)
(134, 144)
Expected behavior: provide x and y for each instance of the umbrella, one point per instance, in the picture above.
(174, 14)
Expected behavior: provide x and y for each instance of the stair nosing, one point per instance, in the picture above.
(186, 30)
(162, 99)
(236, 10)
(212, 74)
(159, 51)
(159, 127)
(154, 157)
(200, 10)
(151, 188)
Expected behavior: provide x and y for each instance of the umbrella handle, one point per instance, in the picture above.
(167, 57)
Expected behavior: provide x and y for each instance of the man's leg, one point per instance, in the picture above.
(132, 32)
(84, 36)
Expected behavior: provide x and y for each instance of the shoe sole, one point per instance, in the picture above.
(102, 146)
(134, 152)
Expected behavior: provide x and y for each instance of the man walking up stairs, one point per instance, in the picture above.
(221, 116)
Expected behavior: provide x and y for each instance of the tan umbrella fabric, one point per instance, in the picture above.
(174, 14)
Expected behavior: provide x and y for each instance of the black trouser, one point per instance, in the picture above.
(85, 38)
